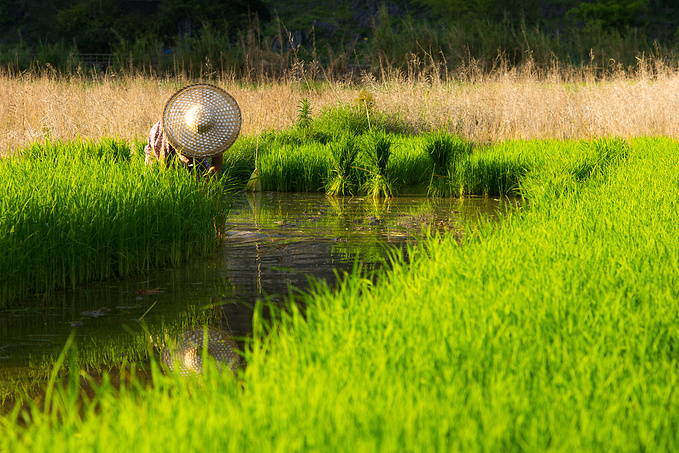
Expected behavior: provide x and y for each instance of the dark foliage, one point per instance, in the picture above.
(270, 38)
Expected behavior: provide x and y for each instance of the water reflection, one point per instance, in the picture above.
(184, 353)
(275, 241)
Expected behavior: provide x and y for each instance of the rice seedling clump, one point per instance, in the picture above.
(343, 178)
(445, 151)
(379, 182)
(74, 212)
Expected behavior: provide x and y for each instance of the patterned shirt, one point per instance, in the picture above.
(159, 148)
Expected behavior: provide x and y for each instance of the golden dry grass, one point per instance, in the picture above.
(486, 109)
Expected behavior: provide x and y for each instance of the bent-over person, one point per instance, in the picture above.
(199, 123)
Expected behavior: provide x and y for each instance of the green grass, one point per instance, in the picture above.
(379, 182)
(343, 178)
(290, 168)
(336, 153)
(82, 211)
(557, 331)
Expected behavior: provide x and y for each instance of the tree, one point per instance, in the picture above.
(620, 15)
(492, 10)
(230, 14)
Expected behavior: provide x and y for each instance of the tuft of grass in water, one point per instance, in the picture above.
(437, 163)
(499, 169)
(289, 168)
(342, 179)
(445, 151)
(379, 182)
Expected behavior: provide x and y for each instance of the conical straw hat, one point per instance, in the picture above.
(201, 120)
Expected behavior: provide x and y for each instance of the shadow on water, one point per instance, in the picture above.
(275, 241)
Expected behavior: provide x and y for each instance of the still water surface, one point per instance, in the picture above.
(275, 241)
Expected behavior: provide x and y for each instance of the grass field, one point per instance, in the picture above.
(83, 211)
(556, 331)
(75, 212)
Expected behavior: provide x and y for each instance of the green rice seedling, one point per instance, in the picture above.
(378, 182)
(342, 119)
(75, 212)
(342, 179)
(561, 168)
(359, 118)
(108, 148)
(598, 156)
(137, 146)
(435, 164)
(409, 164)
(331, 123)
(294, 168)
(497, 170)
(557, 331)
(296, 136)
(239, 162)
(307, 167)
(445, 151)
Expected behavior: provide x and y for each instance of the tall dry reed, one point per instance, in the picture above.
(482, 107)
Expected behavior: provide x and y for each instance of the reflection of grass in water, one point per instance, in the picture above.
(103, 344)
(114, 350)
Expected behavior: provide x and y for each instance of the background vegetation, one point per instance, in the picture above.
(265, 38)
(482, 108)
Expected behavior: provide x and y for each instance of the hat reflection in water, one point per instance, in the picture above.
(184, 354)
(199, 122)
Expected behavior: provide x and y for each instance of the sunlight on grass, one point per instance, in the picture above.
(76, 212)
(556, 330)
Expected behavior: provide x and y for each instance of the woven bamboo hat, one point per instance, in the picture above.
(201, 120)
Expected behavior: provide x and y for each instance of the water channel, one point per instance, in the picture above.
(276, 241)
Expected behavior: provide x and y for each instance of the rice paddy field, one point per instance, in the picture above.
(556, 329)
(83, 211)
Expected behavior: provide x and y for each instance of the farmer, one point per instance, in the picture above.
(199, 122)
